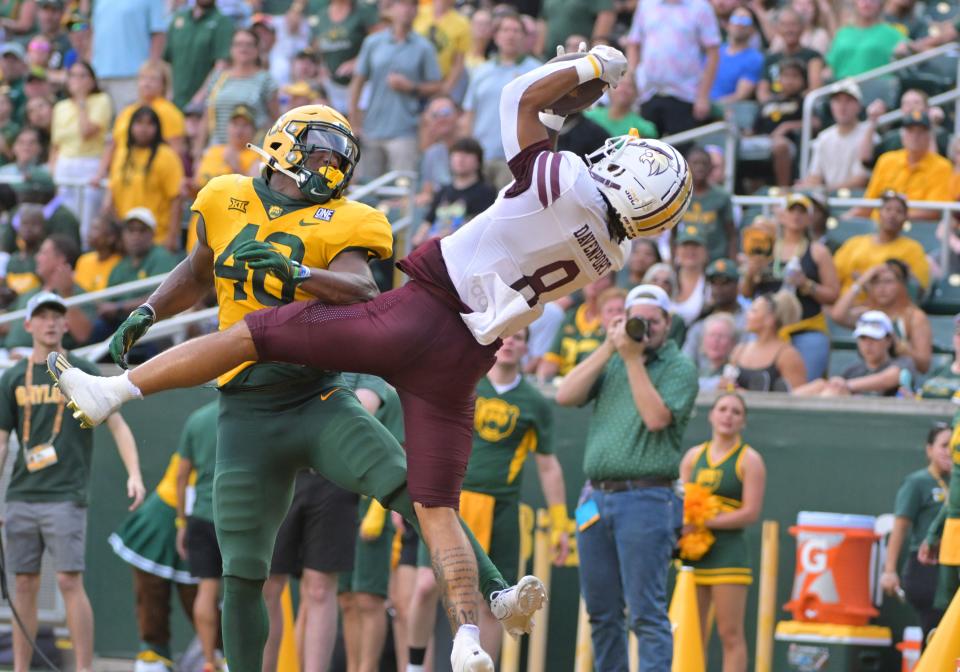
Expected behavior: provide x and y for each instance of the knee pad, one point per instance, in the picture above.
(240, 519)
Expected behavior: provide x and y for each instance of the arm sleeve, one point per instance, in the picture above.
(544, 427)
(431, 67)
(635, 36)
(708, 27)
(363, 58)
(510, 103)
(678, 390)
(8, 403)
(907, 502)
(372, 233)
(186, 449)
(158, 17)
(101, 111)
(222, 39)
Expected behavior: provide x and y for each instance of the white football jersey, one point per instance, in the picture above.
(532, 246)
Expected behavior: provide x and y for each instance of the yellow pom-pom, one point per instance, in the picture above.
(699, 505)
(694, 545)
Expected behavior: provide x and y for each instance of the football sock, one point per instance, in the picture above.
(245, 623)
(127, 389)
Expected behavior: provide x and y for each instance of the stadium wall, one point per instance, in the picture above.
(844, 455)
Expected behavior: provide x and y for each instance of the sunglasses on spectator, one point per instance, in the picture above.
(442, 113)
(741, 21)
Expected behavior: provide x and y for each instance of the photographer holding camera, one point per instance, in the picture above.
(643, 390)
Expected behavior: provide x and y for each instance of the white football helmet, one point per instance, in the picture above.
(646, 181)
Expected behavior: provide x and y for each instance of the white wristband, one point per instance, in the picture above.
(589, 67)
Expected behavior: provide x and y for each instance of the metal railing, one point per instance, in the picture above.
(732, 134)
(810, 100)
(944, 207)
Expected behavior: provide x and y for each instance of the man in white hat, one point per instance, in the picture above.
(644, 389)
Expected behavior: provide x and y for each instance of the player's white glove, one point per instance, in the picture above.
(613, 62)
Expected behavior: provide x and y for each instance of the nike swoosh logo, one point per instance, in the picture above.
(324, 397)
(303, 223)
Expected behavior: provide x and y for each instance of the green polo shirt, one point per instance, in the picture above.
(68, 478)
(198, 443)
(619, 446)
(193, 46)
(919, 500)
(157, 260)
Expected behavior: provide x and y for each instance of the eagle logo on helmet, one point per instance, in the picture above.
(657, 160)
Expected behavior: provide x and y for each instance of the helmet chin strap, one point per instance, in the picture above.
(272, 163)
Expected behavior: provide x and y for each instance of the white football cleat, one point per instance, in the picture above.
(150, 661)
(468, 655)
(515, 606)
(91, 398)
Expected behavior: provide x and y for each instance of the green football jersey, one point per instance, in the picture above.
(507, 427)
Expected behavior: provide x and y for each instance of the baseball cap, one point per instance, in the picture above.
(800, 199)
(300, 88)
(37, 74)
(13, 49)
(141, 214)
(916, 118)
(648, 295)
(244, 111)
(890, 195)
(849, 87)
(690, 233)
(42, 299)
(873, 324)
(722, 268)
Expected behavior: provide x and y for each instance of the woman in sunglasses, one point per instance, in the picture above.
(886, 290)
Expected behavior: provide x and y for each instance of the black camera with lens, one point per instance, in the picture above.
(637, 328)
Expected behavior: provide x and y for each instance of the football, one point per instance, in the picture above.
(582, 97)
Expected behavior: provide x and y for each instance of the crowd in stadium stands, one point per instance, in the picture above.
(115, 113)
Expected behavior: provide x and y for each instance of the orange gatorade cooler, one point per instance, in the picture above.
(834, 565)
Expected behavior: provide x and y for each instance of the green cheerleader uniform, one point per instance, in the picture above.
(148, 537)
(728, 560)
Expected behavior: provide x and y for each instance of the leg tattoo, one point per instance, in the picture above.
(456, 573)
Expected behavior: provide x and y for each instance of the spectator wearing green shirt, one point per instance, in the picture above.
(198, 43)
(867, 43)
(919, 499)
(338, 32)
(196, 538)
(141, 259)
(711, 209)
(619, 117)
(47, 496)
(944, 383)
(628, 514)
(559, 19)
